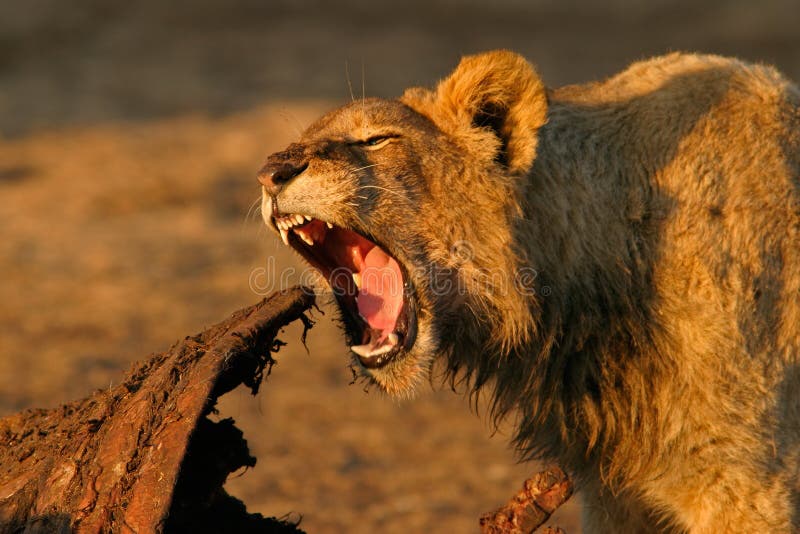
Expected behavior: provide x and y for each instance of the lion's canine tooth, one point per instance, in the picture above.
(383, 349)
(369, 350)
(393, 339)
(329, 225)
(285, 236)
(361, 350)
(357, 279)
(305, 237)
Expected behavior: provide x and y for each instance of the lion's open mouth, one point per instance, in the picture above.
(377, 305)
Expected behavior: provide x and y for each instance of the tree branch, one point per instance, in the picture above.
(531, 506)
(143, 456)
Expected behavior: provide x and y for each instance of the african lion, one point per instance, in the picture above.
(619, 262)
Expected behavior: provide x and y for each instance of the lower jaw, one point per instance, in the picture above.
(393, 357)
(380, 361)
(371, 369)
(398, 378)
(405, 335)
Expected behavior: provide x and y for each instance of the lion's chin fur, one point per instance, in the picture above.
(400, 378)
(406, 373)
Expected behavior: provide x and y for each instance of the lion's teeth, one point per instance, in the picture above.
(357, 279)
(361, 350)
(305, 237)
(330, 226)
(368, 350)
(383, 349)
(287, 222)
(285, 236)
(393, 339)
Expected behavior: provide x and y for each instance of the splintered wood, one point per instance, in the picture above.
(143, 456)
(531, 506)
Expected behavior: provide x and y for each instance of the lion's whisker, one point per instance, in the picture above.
(399, 194)
(363, 98)
(255, 204)
(290, 117)
(365, 167)
(349, 82)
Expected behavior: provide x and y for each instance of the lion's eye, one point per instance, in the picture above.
(374, 143)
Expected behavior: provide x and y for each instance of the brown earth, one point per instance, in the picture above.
(131, 134)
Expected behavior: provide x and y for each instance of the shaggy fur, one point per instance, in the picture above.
(618, 262)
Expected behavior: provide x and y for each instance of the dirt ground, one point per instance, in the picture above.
(131, 133)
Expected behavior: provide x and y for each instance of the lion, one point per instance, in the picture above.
(617, 264)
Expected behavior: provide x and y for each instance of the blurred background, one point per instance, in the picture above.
(130, 133)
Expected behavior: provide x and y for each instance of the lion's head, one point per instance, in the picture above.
(407, 208)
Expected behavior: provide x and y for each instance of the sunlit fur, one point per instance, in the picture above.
(655, 356)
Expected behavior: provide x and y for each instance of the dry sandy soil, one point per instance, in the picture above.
(131, 133)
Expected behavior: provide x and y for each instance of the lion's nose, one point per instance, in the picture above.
(274, 175)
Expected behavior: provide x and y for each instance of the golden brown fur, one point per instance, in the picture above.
(623, 261)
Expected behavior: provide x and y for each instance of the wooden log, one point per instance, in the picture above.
(531, 506)
(143, 456)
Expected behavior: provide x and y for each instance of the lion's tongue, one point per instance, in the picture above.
(381, 295)
(379, 281)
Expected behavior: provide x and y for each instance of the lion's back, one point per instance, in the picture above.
(712, 145)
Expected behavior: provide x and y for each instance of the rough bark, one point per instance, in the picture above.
(143, 456)
(531, 506)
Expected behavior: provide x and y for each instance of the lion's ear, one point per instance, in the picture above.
(499, 92)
